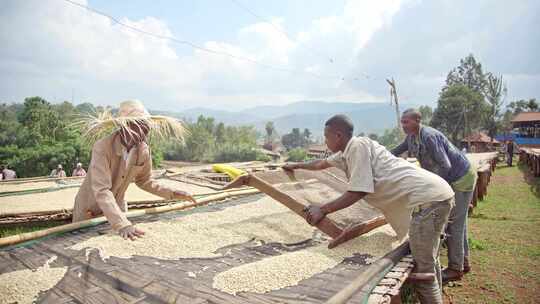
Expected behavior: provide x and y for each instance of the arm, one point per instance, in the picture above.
(319, 164)
(144, 181)
(403, 147)
(101, 184)
(314, 214)
(438, 154)
(360, 184)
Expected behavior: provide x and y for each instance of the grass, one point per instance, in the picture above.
(7, 231)
(504, 234)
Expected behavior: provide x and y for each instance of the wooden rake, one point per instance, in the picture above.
(339, 233)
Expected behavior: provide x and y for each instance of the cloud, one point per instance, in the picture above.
(427, 39)
(54, 49)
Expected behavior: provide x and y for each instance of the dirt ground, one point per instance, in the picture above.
(505, 241)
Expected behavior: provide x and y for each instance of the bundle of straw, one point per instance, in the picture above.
(98, 125)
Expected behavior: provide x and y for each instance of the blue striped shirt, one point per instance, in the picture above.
(435, 153)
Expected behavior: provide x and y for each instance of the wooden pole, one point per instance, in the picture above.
(325, 225)
(371, 276)
(357, 230)
(394, 100)
(23, 237)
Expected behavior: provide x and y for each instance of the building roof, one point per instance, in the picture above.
(480, 137)
(526, 117)
(270, 153)
(318, 147)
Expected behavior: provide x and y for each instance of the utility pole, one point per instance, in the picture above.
(394, 102)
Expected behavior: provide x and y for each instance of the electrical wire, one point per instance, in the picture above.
(201, 48)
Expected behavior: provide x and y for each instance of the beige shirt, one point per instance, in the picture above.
(78, 172)
(392, 184)
(108, 177)
(58, 173)
(9, 174)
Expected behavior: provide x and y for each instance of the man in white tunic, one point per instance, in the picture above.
(395, 187)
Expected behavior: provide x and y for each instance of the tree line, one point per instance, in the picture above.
(471, 100)
(36, 136)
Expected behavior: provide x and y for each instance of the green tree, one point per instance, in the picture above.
(427, 114)
(86, 108)
(293, 139)
(39, 119)
(390, 138)
(38, 138)
(373, 136)
(297, 155)
(523, 105)
(468, 73)
(271, 132)
(307, 136)
(494, 92)
(208, 142)
(220, 133)
(10, 128)
(459, 111)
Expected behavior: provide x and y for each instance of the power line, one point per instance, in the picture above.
(198, 47)
(283, 32)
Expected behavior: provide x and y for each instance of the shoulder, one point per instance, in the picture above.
(143, 150)
(359, 145)
(433, 134)
(104, 144)
(361, 142)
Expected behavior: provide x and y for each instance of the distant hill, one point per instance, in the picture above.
(367, 117)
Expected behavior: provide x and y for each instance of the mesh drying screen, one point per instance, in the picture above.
(319, 187)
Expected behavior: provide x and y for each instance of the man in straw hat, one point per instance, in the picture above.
(119, 159)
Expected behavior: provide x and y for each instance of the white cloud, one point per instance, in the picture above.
(68, 48)
(51, 48)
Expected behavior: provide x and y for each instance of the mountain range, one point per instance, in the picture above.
(367, 117)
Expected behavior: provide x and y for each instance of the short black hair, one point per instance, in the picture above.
(341, 122)
(414, 113)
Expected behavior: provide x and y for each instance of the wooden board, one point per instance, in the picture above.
(341, 226)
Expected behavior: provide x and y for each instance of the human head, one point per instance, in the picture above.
(410, 121)
(79, 165)
(59, 167)
(136, 127)
(338, 131)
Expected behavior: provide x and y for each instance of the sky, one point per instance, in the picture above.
(251, 53)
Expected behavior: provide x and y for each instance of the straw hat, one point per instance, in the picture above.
(132, 108)
(131, 112)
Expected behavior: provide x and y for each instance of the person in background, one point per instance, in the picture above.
(79, 171)
(7, 173)
(509, 153)
(437, 154)
(58, 172)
